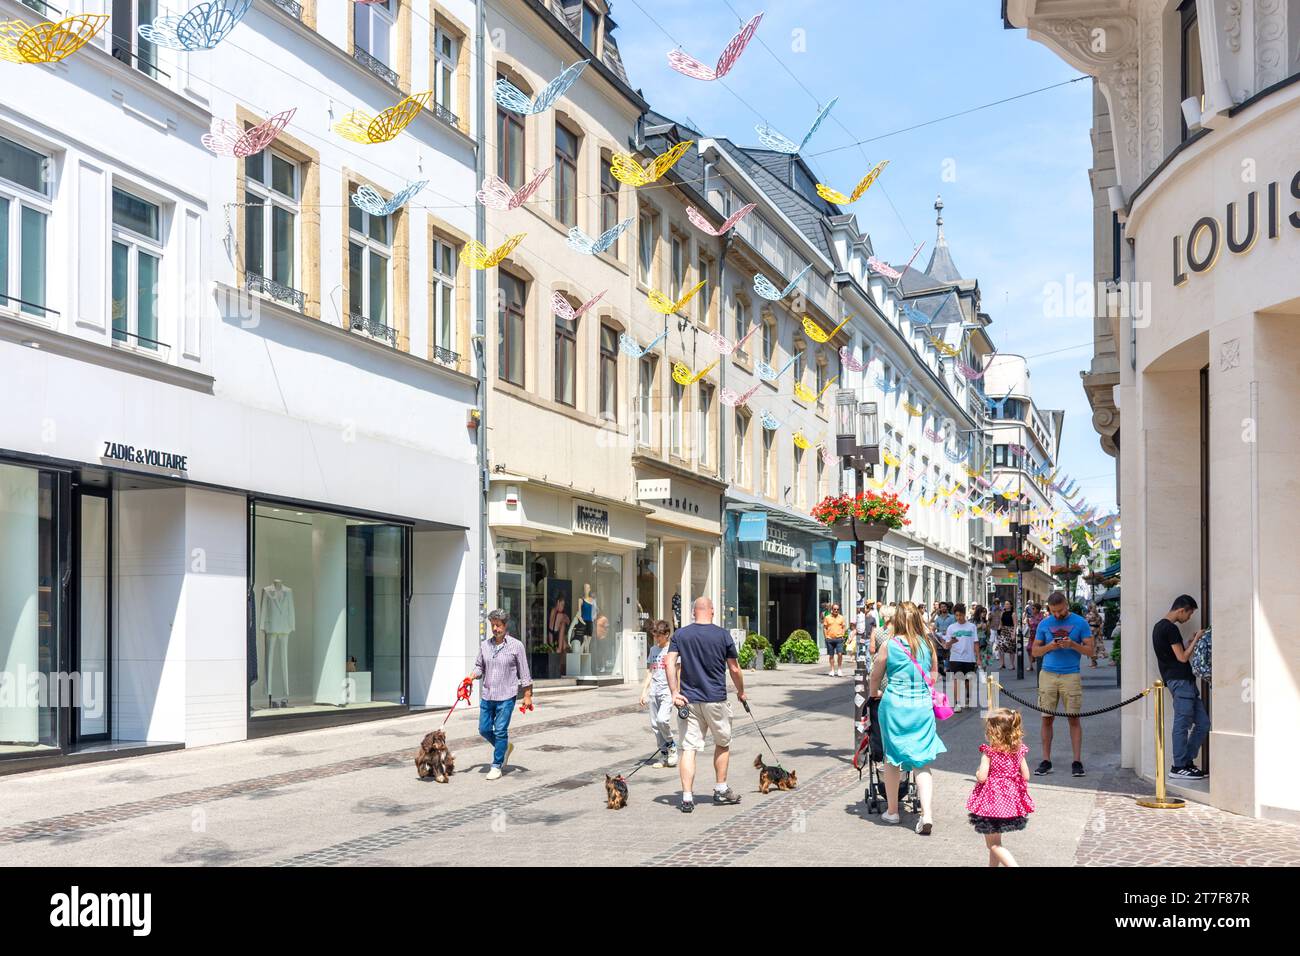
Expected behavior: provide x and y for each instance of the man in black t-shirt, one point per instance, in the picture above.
(1191, 722)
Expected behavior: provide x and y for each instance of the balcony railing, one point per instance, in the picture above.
(377, 67)
(446, 356)
(375, 328)
(446, 115)
(768, 243)
(276, 291)
(288, 6)
(135, 342)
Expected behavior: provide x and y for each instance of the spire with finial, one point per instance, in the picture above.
(941, 266)
(938, 219)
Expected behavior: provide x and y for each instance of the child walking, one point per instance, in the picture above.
(660, 698)
(1000, 802)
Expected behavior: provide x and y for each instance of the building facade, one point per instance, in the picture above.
(1202, 103)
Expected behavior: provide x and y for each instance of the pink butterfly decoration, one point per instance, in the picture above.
(497, 194)
(561, 307)
(227, 139)
(686, 64)
(828, 456)
(969, 372)
(724, 344)
(933, 435)
(702, 224)
(729, 397)
(848, 361)
(883, 268)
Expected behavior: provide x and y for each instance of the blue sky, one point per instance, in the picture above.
(1014, 178)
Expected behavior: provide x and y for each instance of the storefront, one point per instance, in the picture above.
(563, 569)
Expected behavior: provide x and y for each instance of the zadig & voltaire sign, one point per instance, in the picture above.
(148, 457)
(1199, 251)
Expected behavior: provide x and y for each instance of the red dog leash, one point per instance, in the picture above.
(462, 693)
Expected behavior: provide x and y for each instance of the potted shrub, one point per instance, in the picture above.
(544, 661)
(1017, 560)
(754, 652)
(865, 517)
(800, 648)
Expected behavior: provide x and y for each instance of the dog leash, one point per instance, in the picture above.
(745, 704)
(462, 693)
(641, 763)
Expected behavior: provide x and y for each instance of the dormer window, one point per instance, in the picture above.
(589, 28)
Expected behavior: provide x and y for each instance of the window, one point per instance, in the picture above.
(647, 231)
(446, 50)
(510, 144)
(566, 176)
(645, 398)
(769, 340)
(137, 256)
(127, 44)
(271, 192)
(608, 199)
(369, 256)
(444, 294)
(608, 373)
(798, 476)
(740, 309)
(566, 361)
(742, 439)
(705, 410)
(24, 213)
(1193, 77)
(769, 478)
(822, 369)
(820, 491)
(675, 436)
(510, 329)
(590, 27)
(678, 284)
(800, 360)
(704, 301)
(372, 25)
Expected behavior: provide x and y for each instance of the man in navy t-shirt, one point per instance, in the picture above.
(707, 654)
(1061, 639)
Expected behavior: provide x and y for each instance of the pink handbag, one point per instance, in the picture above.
(942, 709)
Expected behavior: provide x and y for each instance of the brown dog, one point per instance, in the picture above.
(769, 777)
(433, 758)
(615, 792)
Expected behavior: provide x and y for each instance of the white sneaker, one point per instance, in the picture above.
(889, 817)
(672, 757)
(831, 672)
(494, 773)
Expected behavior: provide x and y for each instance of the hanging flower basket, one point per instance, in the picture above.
(1014, 560)
(1066, 572)
(864, 517)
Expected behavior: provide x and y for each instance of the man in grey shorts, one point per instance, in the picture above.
(706, 654)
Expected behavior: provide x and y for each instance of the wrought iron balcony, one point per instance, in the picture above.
(288, 6)
(446, 356)
(375, 328)
(278, 292)
(444, 114)
(377, 67)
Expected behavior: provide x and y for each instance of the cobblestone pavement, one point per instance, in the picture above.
(347, 796)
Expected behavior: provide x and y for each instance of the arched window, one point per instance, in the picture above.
(510, 140)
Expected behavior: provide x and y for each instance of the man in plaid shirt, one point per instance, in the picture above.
(502, 668)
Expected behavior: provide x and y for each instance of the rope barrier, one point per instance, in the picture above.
(1086, 713)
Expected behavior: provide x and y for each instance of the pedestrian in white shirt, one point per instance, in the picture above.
(962, 641)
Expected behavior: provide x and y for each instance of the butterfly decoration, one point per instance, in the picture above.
(955, 455)
(517, 101)
(890, 460)
(971, 472)
(877, 483)
(942, 347)
(497, 194)
(769, 421)
(697, 219)
(997, 406)
(360, 127)
(828, 456)
(806, 394)
(887, 387)
(839, 199)
(629, 346)
(682, 373)
(849, 362)
(977, 511)
(769, 374)
(687, 65)
(817, 334)
(800, 441)
(968, 372)
(628, 171)
(913, 410)
(773, 140)
(564, 309)
(202, 28)
(764, 287)
(666, 306)
(478, 256)
(731, 399)
(916, 316)
(982, 481)
(579, 241)
(881, 267)
(227, 139)
(1010, 495)
(1016, 449)
(934, 436)
(48, 42)
(724, 344)
(368, 199)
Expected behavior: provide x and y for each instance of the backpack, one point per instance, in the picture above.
(1202, 657)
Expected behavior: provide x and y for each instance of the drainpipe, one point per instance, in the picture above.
(480, 310)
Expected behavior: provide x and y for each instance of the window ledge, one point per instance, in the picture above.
(515, 391)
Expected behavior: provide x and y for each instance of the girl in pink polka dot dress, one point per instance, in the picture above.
(1000, 802)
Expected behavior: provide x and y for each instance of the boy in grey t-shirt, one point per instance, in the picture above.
(655, 692)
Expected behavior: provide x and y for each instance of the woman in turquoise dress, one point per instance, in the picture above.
(907, 723)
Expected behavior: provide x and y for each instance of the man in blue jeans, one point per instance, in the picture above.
(502, 666)
(1191, 722)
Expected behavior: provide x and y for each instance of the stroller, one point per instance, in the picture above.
(870, 756)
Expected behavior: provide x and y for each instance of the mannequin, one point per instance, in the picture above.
(600, 645)
(677, 609)
(587, 607)
(276, 620)
(558, 625)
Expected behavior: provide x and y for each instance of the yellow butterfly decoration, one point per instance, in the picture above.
(627, 170)
(972, 472)
(478, 256)
(806, 394)
(946, 492)
(48, 42)
(877, 484)
(1010, 495)
(837, 197)
(682, 374)
(890, 460)
(928, 501)
(360, 127)
(942, 347)
(912, 410)
(666, 306)
(800, 441)
(816, 333)
(977, 511)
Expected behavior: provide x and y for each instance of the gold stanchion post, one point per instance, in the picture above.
(1161, 801)
(992, 696)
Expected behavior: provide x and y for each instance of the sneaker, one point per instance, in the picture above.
(1076, 769)
(924, 828)
(889, 817)
(726, 797)
(672, 757)
(494, 773)
(659, 764)
(510, 748)
(1189, 772)
(831, 672)
(686, 806)
(1043, 769)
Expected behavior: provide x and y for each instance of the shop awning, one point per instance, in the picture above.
(1110, 594)
(742, 502)
(1111, 571)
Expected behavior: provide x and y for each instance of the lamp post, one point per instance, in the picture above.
(857, 442)
(1019, 531)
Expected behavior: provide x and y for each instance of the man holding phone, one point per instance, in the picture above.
(1061, 640)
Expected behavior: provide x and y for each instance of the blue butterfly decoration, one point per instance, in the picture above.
(517, 101)
(916, 316)
(770, 292)
(775, 141)
(579, 241)
(629, 346)
(998, 405)
(769, 374)
(769, 421)
(202, 28)
(368, 200)
(887, 388)
(957, 455)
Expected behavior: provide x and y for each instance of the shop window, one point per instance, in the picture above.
(510, 141)
(510, 328)
(608, 373)
(742, 443)
(608, 198)
(747, 599)
(703, 416)
(647, 233)
(137, 261)
(645, 401)
(566, 175)
(272, 191)
(24, 215)
(127, 44)
(647, 584)
(330, 614)
(566, 361)
(370, 253)
(443, 278)
(677, 401)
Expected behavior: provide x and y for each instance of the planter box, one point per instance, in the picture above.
(1025, 566)
(544, 666)
(858, 531)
